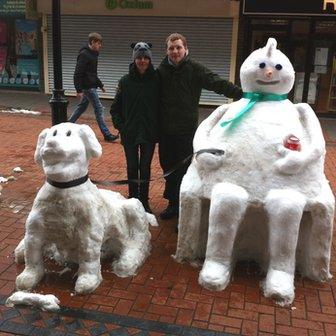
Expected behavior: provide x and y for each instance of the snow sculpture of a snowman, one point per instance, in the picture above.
(256, 187)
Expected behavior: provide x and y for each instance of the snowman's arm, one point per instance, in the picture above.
(203, 130)
(316, 147)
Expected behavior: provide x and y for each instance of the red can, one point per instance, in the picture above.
(292, 143)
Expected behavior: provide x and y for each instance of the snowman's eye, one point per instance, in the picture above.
(55, 132)
(278, 67)
(262, 65)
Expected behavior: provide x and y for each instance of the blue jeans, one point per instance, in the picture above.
(91, 96)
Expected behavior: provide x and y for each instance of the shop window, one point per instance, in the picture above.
(19, 62)
(332, 89)
(298, 56)
(324, 64)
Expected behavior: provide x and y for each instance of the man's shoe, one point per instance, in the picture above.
(172, 211)
(111, 138)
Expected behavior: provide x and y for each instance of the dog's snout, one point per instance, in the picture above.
(51, 142)
(51, 146)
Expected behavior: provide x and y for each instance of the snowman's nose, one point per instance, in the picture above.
(269, 73)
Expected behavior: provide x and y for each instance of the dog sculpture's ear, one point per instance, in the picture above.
(40, 144)
(93, 147)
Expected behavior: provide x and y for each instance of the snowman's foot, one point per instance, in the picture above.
(279, 285)
(214, 275)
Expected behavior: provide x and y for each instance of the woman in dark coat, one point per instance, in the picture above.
(134, 112)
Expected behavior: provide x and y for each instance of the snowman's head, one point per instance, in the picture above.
(267, 70)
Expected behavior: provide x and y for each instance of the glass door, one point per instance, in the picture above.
(325, 65)
(298, 55)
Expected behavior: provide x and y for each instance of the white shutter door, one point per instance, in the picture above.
(209, 42)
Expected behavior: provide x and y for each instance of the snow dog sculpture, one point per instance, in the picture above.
(260, 191)
(79, 221)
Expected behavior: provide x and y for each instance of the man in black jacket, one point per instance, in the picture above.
(182, 81)
(86, 83)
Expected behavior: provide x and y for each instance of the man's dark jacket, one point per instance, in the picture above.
(181, 88)
(135, 108)
(85, 76)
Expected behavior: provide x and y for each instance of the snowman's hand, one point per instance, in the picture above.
(209, 161)
(291, 162)
(282, 150)
(202, 135)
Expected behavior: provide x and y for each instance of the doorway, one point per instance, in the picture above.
(311, 48)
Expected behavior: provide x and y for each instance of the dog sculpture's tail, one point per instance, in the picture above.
(151, 219)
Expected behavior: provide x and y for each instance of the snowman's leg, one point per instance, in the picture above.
(284, 209)
(227, 209)
(320, 236)
(189, 245)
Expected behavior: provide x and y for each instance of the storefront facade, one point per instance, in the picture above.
(20, 42)
(306, 32)
(211, 29)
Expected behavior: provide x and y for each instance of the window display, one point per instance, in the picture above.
(19, 63)
(25, 42)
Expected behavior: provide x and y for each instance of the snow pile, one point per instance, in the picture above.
(17, 170)
(14, 110)
(44, 302)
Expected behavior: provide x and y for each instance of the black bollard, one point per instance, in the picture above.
(58, 101)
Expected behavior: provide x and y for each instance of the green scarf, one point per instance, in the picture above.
(254, 98)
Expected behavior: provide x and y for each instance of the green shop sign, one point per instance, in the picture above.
(12, 7)
(128, 4)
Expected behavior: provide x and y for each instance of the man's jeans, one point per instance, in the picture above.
(91, 96)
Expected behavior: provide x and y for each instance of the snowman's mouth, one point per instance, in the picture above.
(267, 83)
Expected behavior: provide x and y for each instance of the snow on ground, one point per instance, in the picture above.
(14, 110)
(44, 302)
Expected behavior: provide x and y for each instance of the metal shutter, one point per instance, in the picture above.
(209, 42)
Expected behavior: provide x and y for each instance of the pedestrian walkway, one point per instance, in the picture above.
(37, 101)
(164, 298)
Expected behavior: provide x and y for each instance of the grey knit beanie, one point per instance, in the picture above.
(141, 49)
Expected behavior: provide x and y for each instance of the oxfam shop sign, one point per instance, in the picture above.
(128, 4)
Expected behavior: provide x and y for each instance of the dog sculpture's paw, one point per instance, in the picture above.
(87, 283)
(123, 268)
(29, 278)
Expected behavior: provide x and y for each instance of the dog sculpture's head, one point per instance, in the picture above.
(64, 151)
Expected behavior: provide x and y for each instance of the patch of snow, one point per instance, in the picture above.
(3, 179)
(14, 110)
(45, 302)
(17, 170)
(18, 208)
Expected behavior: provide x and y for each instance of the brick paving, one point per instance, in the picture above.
(164, 298)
